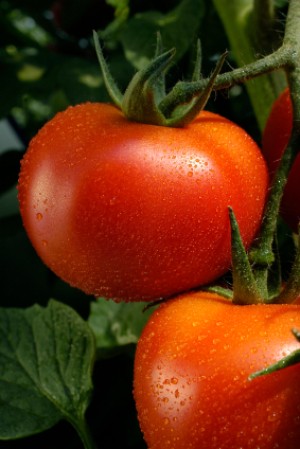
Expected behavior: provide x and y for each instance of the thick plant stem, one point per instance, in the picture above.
(239, 18)
(85, 434)
(263, 18)
(184, 92)
(262, 254)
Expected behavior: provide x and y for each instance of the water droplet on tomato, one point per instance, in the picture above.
(273, 417)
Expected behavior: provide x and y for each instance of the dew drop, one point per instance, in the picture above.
(273, 417)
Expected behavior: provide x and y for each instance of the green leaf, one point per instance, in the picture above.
(122, 9)
(116, 325)
(178, 29)
(46, 359)
(237, 19)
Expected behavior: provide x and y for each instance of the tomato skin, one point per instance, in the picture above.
(191, 373)
(135, 212)
(275, 139)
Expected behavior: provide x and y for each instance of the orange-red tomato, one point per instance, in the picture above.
(135, 212)
(191, 383)
(275, 139)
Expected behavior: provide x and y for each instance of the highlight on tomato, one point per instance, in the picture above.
(130, 203)
(192, 368)
(275, 139)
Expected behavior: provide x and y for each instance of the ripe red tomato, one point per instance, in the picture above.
(191, 374)
(132, 211)
(275, 139)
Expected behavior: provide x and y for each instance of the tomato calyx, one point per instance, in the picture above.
(143, 99)
(259, 281)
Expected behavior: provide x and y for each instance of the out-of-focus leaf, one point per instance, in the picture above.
(122, 9)
(41, 83)
(46, 360)
(178, 28)
(116, 325)
(81, 81)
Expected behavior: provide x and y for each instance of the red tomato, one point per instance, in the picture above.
(275, 139)
(135, 212)
(191, 374)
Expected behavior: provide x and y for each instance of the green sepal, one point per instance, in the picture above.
(289, 360)
(140, 100)
(199, 102)
(197, 75)
(245, 290)
(218, 290)
(161, 80)
(143, 100)
(112, 88)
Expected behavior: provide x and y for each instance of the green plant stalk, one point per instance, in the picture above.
(262, 254)
(84, 433)
(263, 24)
(238, 20)
(183, 92)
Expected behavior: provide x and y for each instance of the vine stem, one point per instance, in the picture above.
(83, 432)
(184, 92)
(262, 253)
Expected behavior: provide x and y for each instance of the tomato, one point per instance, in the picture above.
(275, 139)
(191, 372)
(135, 212)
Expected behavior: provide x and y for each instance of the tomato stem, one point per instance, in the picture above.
(84, 432)
(262, 255)
(263, 34)
(183, 92)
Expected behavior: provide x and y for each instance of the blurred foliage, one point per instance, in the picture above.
(47, 62)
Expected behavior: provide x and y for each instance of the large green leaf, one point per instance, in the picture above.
(178, 29)
(46, 359)
(116, 325)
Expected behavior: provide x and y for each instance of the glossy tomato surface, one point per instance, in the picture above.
(135, 212)
(191, 376)
(275, 139)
